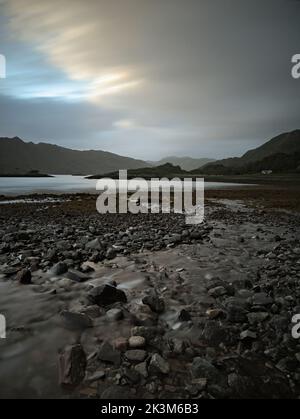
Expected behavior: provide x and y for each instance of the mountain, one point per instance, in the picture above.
(17, 156)
(186, 163)
(167, 170)
(284, 144)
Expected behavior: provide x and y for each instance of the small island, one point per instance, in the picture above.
(30, 174)
(167, 170)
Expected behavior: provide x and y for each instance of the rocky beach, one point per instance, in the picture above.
(144, 306)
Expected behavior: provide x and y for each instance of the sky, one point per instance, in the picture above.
(150, 78)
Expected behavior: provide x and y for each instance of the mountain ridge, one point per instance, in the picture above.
(18, 156)
(286, 143)
(185, 162)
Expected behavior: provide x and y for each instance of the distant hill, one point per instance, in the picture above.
(186, 163)
(265, 157)
(167, 170)
(17, 156)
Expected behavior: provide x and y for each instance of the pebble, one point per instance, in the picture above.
(136, 342)
(136, 355)
(159, 364)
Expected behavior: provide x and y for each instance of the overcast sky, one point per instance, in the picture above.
(150, 78)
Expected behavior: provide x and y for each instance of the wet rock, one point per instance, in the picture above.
(72, 366)
(120, 344)
(196, 235)
(175, 238)
(94, 244)
(136, 355)
(59, 269)
(93, 311)
(137, 342)
(51, 255)
(236, 313)
(184, 316)
(259, 317)
(217, 292)
(148, 333)
(76, 276)
(197, 386)
(159, 365)
(287, 365)
(111, 253)
(215, 334)
(201, 368)
(106, 294)
(261, 299)
(156, 304)
(247, 335)
(215, 313)
(74, 321)
(108, 354)
(142, 369)
(239, 384)
(24, 277)
(96, 376)
(131, 376)
(114, 314)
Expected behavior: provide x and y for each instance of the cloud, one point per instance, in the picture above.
(50, 120)
(170, 76)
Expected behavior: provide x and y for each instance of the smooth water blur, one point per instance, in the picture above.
(69, 184)
(57, 184)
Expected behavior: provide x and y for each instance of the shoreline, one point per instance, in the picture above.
(210, 306)
(268, 196)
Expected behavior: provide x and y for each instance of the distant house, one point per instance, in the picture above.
(266, 172)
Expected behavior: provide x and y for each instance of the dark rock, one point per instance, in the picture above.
(261, 299)
(111, 253)
(93, 311)
(51, 255)
(96, 376)
(136, 355)
(184, 316)
(148, 333)
(215, 313)
(114, 314)
(248, 335)
(156, 304)
(142, 369)
(201, 368)
(257, 317)
(217, 292)
(59, 269)
(236, 313)
(72, 366)
(76, 276)
(24, 277)
(94, 245)
(108, 354)
(106, 294)
(74, 321)
(120, 344)
(159, 365)
(215, 334)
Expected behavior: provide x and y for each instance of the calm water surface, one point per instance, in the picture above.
(69, 184)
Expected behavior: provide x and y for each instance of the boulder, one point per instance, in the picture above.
(106, 294)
